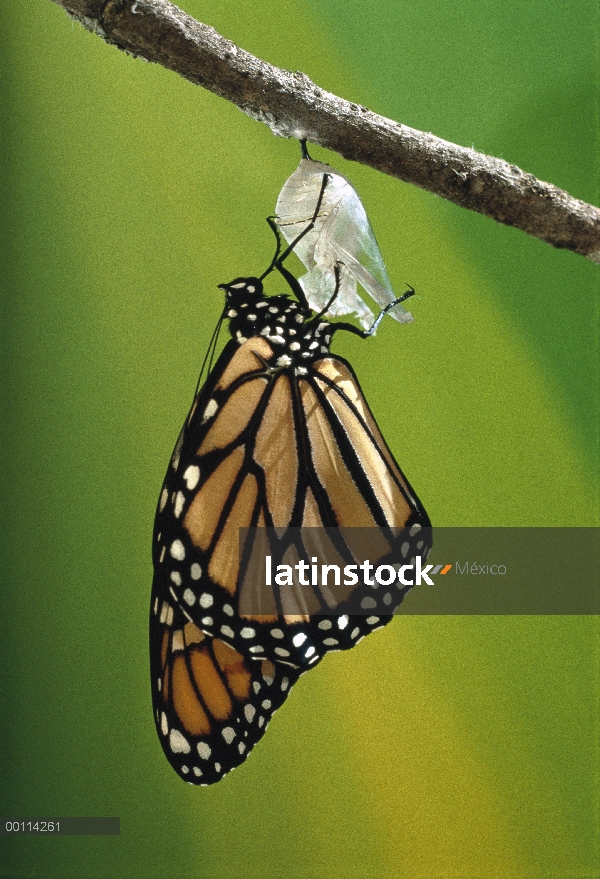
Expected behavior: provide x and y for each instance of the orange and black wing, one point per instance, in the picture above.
(211, 703)
(278, 448)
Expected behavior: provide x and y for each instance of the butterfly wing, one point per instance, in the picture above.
(267, 447)
(211, 704)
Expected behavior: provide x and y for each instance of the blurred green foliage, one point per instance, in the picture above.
(455, 746)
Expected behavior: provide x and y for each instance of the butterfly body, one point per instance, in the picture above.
(249, 455)
(289, 327)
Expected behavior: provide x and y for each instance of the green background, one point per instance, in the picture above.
(447, 746)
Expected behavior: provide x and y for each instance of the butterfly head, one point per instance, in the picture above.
(240, 290)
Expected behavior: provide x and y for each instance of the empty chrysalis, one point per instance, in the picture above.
(342, 236)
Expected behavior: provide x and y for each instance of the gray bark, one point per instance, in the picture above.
(293, 106)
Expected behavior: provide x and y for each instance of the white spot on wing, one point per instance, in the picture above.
(178, 505)
(206, 600)
(192, 476)
(178, 743)
(299, 639)
(204, 750)
(211, 408)
(196, 571)
(267, 673)
(189, 597)
(163, 499)
(178, 550)
(228, 734)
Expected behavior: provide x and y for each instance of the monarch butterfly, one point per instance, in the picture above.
(279, 436)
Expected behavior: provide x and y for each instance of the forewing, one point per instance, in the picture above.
(348, 480)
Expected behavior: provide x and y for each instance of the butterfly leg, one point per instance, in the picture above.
(279, 257)
(337, 271)
(277, 263)
(364, 334)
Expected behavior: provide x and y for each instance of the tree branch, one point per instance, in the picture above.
(293, 106)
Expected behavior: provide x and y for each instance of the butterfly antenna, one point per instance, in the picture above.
(410, 292)
(364, 334)
(210, 351)
(275, 230)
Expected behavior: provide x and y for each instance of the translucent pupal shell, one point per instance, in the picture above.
(341, 235)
